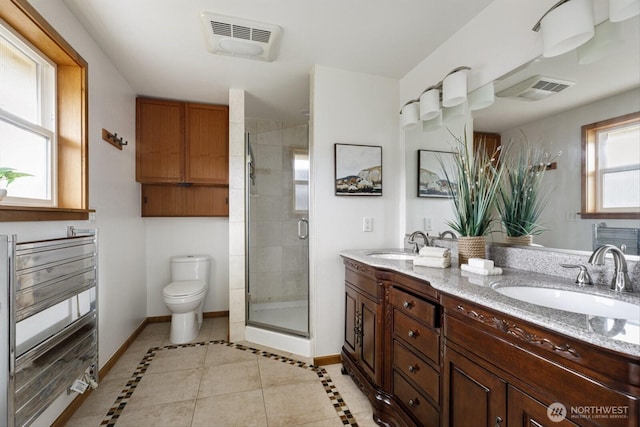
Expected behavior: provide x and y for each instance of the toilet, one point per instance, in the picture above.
(184, 296)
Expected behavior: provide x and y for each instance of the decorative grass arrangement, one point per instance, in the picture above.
(522, 195)
(474, 179)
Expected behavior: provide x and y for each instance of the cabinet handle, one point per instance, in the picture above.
(413, 402)
(412, 334)
(412, 368)
(407, 304)
(498, 421)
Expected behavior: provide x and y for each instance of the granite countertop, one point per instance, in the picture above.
(620, 336)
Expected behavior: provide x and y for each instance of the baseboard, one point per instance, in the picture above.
(66, 415)
(216, 314)
(207, 315)
(327, 360)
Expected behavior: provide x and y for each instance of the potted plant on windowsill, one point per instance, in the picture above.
(522, 196)
(7, 176)
(474, 181)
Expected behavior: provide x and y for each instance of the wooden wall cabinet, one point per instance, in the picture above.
(182, 146)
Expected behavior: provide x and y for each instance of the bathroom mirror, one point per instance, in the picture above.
(597, 89)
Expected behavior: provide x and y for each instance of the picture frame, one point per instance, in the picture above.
(358, 170)
(431, 179)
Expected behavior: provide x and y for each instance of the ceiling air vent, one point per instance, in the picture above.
(232, 36)
(535, 88)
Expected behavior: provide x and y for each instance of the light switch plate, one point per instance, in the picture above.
(367, 224)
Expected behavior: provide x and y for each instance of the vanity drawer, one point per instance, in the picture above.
(415, 402)
(421, 373)
(420, 309)
(414, 333)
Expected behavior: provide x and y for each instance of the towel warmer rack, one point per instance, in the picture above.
(618, 236)
(49, 308)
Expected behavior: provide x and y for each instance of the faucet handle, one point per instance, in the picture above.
(583, 275)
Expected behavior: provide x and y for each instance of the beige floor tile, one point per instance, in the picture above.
(350, 392)
(220, 354)
(296, 404)
(101, 399)
(236, 409)
(126, 365)
(178, 359)
(92, 421)
(365, 419)
(229, 378)
(276, 372)
(166, 387)
(334, 421)
(178, 414)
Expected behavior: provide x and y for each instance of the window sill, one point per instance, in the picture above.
(27, 213)
(610, 215)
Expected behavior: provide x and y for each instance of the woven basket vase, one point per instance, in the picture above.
(471, 247)
(519, 240)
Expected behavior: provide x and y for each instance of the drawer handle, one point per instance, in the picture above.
(412, 334)
(413, 402)
(498, 421)
(407, 304)
(413, 368)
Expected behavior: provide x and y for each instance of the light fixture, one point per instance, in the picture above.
(239, 47)
(454, 87)
(456, 112)
(430, 103)
(410, 114)
(619, 10)
(433, 124)
(567, 25)
(605, 42)
(482, 97)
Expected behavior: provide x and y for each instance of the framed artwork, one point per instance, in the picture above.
(431, 179)
(358, 170)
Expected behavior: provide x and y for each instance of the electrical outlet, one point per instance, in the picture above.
(427, 224)
(367, 224)
(92, 217)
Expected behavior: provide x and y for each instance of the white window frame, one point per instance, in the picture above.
(45, 125)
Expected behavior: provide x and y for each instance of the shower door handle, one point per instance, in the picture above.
(303, 232)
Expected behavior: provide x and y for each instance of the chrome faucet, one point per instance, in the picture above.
(448, 232)
(620, 280)
(412, 240)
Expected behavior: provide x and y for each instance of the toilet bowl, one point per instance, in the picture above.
(185, 295)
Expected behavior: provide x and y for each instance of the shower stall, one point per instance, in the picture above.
(277, 246)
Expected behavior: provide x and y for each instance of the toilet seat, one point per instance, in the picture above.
(185, 288)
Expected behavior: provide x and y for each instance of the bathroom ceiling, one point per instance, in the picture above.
(159, 46)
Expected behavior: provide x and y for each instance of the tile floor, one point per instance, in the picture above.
(210, 382)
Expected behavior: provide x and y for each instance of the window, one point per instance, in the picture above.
(301, 181)
(27, 121)
(611, 168)
(43, 110)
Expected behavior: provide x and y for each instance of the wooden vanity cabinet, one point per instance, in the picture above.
(415, 354)
(502, 371)
(181, 146)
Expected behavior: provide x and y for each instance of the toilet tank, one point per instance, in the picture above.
(190, 267)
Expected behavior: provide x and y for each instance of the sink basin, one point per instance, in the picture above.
(573, 301)
(398, 256)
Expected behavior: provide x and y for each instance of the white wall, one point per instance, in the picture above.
(563, 132)
(167, 237)
(351, 108)
(113, 192)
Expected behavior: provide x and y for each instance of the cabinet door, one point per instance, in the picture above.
(207, 144)
(350, 322)
(490, 141)
(159, 141)
(370, 331)
(475, 396)
(525, 411)
(179, 201)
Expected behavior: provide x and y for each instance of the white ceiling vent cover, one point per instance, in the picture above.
(535, 88)
(228, 35)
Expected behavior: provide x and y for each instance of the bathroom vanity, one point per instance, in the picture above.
(432, 347)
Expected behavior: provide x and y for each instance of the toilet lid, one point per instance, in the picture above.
(183, 288)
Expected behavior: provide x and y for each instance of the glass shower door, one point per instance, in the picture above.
(278, 230)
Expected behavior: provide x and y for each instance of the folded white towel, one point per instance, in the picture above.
(432, 251)
(486, 264)
(425, 261)
(495, 271)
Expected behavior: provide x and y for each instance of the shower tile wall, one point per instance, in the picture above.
(276, 252)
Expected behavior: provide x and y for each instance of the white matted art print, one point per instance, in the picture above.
(358, 170)
(431, 179)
